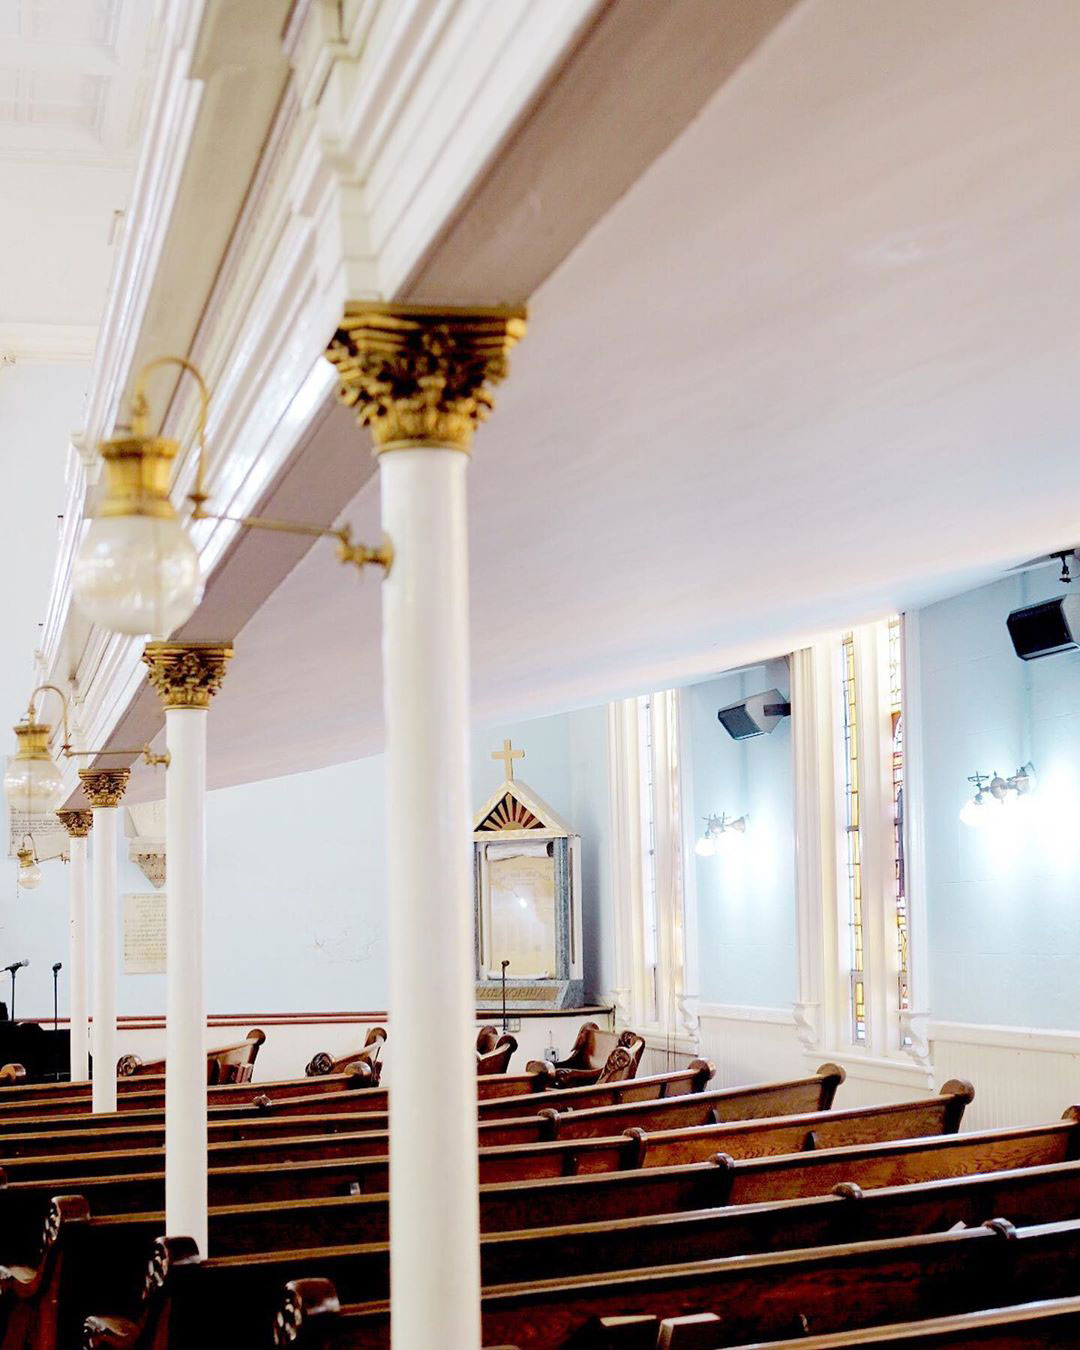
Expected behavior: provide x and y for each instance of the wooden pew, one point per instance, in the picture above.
(756, 1298)
(597, 1057)
(228, 1064)
(597, 1196)
(227, 1094)
(116, 1130)
(1039, 1195)
(506, 1094)
(325, 1063)
(1048, 1324)
(494, 1051)
(255, 1141)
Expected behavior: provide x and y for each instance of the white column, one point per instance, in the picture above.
(419, 377)
(104, 788)
(186, 676)
(78, 1006)
(434, 1212)
(185, 1017)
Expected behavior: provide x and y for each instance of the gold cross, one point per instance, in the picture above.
(507, 754)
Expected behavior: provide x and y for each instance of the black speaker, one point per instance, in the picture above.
(1047, 628)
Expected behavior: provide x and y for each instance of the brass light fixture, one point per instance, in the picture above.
(137, 571)
(991, 788)
(29, 871)
(34, 782)
(718, 829)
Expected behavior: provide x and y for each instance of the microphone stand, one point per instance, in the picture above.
(13, 970)
(506, 1025)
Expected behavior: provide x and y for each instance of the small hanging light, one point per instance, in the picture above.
(29, 870)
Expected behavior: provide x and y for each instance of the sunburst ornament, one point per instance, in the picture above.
(510, 814)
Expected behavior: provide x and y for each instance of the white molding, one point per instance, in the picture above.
(915, 1021)
(1043, 1041)
(732, 1012)
(49, 343)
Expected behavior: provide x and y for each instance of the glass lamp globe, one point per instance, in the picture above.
(33, 781)
(137, 571)
(29, 871)
(138, 575)
(974, 814)
(705, 846)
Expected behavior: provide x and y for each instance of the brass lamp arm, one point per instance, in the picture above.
(358, 554)
(347, 551)
(144, 751)
(31, 713)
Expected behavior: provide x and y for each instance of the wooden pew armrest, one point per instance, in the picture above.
(116, 1333)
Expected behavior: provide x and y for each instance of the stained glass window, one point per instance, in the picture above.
(854, 840)
(896, 708)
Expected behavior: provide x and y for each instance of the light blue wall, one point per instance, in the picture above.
(746, 891)
(296, 884)
(1004, 904)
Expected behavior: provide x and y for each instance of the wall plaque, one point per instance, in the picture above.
(144, 934)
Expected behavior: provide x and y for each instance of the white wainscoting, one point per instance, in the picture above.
(1021, 1076)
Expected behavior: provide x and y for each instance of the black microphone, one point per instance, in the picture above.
(59, 966)
(17, 965)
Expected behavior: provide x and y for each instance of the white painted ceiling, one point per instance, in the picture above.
(818, 364)
(74, 78)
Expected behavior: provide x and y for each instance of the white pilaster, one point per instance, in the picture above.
(185, 1016)
(103, 1094)
(434, 1212)
(77, 970)
(186, 676)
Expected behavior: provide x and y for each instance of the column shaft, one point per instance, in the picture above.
(185, 1035)
(103, 1093)
(434, 1211)
(77, 964)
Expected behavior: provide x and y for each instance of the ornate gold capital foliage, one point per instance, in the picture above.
(421, 373)
(105, 787)
(187, 674)
(77, 823)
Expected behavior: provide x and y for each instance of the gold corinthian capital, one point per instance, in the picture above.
(187, 674)
(105, 787)
(422, 374)
(77, 823)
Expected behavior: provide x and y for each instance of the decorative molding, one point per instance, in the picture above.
(420, 373)
(150, 861)
(1003, 1037)
(49, 343)
(187, 674)
(77, 823)
(808, 1023)
(104, 787)
(734, 1012)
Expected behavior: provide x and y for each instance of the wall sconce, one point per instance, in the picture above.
(29, 870)
(717, 829)
(33, 781)
(991, 788)
(137, 571)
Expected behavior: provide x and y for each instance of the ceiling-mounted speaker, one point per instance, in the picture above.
(755, 716)
(1047, 628)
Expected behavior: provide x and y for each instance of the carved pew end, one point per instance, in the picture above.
(12, 1073)
(833, 1075)
(307, 1309)
(962, 1094)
